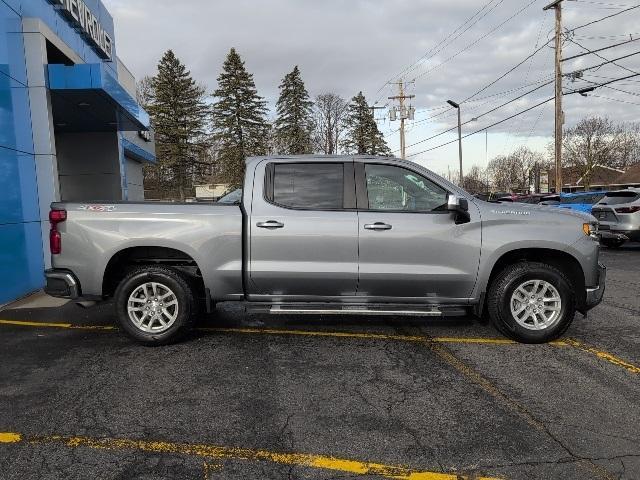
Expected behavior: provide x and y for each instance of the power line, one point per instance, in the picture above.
(598, 85)
(481, 115)
(506, 92)
(536, 51)
(615, 100)
(475, 42)
(430, 51)
(571, 92)
(594, 52)
(605, 18)
(613, 88)
(601, 64)
(485, 128)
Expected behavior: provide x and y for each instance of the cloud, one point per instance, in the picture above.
(346, 46)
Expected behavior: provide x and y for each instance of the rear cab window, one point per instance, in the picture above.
(308, 186)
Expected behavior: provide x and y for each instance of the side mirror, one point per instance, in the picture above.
(457, 204)
(459, 207)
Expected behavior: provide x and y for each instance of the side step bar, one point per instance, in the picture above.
(346, 309)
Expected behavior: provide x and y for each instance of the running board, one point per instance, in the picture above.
(346, 309)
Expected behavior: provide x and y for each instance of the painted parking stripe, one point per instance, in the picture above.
(601, 354)
(606, 356)
(208, 451)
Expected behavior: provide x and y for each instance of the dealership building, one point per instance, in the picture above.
(70, 126)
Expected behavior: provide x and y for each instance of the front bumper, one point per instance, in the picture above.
(595, 294)
(61, 284)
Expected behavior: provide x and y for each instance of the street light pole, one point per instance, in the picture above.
(457, 107)
(559, 114)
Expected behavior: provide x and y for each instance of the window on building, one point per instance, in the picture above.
(55, 55)
(314, 186)
(399, 189)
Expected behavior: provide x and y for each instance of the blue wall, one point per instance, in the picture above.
(21, 248)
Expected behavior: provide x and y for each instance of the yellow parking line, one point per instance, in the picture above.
(606, 356)
(232, 453)
(361, 335)
(21, 323)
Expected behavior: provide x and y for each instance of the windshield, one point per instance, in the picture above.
(616, 198)
(587, 198)
(231, 198)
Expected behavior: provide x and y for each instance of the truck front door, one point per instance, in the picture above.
(411, 248)
(303, 231)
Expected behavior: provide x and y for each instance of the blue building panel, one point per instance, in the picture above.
(18, 188)
(12, 62)
(72, 36)
(137, 153)
(21, 260)
(93, 83)
(95, 79)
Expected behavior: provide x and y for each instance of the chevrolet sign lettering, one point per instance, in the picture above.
(78, 12)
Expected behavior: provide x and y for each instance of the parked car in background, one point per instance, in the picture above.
(231, 197)
(619, 216)
(551, 200)
(581, 201)
(533, 198)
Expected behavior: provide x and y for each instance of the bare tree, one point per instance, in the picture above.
(597, 141)
(517, 171)
(475, 180)
(329, 112)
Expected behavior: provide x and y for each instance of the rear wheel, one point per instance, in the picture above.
(155, 305)
(612, 242)
(531, 302)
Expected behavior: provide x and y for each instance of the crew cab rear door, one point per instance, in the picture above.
(410, 247)
(303, 231)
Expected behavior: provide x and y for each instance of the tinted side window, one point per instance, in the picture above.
(396, 188)
(316, 186)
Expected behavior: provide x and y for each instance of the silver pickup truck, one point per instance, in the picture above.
(330, 235)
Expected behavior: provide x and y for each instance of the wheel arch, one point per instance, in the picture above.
(562, 260)
(122, 261)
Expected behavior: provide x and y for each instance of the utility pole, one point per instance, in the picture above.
(403, 113)
(457, 107)
(559, 114)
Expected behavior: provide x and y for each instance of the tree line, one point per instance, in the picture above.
(593, 142)
(205, 138)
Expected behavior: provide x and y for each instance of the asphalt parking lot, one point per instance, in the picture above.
(259, 397)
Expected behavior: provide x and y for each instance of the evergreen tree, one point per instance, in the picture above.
(239, 119)
(179, 116)
(363, 136)
(293, 124)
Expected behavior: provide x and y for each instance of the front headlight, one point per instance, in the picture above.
(590, 229)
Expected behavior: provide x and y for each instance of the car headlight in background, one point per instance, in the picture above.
(590, 229)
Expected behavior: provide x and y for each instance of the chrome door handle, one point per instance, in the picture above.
(377, 226)
(270, 224)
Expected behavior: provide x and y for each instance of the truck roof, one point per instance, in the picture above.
(317, 158)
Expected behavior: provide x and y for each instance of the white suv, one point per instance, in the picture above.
(619, 216)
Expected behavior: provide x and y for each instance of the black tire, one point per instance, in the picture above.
(612, 242)
(184, 297)
(503, 287)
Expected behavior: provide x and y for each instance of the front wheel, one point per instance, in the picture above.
(154, 305)
(531, 302)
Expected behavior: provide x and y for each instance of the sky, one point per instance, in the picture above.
(443, 49)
